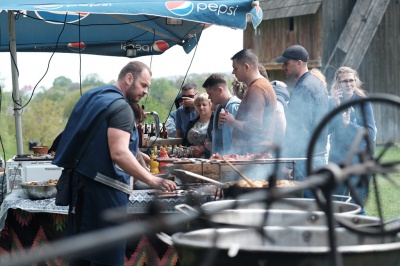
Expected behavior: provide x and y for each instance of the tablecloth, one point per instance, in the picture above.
(139, 202)
(27, 224)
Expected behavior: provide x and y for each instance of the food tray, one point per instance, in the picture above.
(42, 190)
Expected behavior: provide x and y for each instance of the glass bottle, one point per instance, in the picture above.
(140, 132)
(152, 130)
(164, 133)
(145, 135)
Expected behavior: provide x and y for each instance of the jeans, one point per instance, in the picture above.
(301, 172)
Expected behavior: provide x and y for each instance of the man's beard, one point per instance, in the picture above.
(132, 98)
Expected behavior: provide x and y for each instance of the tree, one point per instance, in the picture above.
(62, 82)
(42, 122)
(92, 80)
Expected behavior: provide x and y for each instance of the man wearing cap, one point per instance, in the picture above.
(307, 106)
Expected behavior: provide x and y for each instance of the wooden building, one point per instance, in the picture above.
(362, 34)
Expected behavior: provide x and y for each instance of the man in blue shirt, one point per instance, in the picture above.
(186, 112)
(218, 91)
(170, 123)
(307, 106)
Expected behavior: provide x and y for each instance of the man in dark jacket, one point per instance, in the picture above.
(101, 177)
(307, 106)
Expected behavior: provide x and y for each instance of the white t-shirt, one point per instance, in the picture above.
(279, 107)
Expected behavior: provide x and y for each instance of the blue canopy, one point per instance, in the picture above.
(112, 27)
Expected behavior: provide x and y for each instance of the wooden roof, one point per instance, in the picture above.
(274, 9)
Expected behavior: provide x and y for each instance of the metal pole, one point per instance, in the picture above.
(14, 73)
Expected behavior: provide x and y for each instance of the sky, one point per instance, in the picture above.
(216, 46)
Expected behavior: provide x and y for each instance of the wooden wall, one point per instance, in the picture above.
(380, 72)
(380, 68)
(335, 15)
(272, 37)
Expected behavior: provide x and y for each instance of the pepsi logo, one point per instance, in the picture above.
(55, 17)
(160, 46)
(181, 8)
(76, 46)
(258, 11)
(49, 7)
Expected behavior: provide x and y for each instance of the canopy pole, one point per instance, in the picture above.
(15, 82)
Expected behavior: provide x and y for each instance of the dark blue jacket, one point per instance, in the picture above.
(308, 105)
(342, 138)
(96, 161)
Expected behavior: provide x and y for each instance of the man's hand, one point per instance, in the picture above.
(163, 184)
(187, 101)
(287, 173)
(226, 118)
(198, 150)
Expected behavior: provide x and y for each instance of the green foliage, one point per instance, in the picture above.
(62, 82)
(388, 189)
(70, 101)
(41, 122)
(92, 80)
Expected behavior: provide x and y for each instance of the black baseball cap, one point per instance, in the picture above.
(294, 52)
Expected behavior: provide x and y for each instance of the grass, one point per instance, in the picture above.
(389, 191)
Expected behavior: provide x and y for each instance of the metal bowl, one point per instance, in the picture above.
(42, 190)
(300, 204)
(283, 246)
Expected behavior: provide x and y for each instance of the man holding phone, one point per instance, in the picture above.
(186, 111)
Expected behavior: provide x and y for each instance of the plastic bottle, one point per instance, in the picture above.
(154, 164)
(163, 154)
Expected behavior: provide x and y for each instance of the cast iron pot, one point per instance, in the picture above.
(283, 246)
(300, 204)
(254, 218)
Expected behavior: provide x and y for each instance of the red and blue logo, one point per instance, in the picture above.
(160, 46)
(259, 12)
(58, 17)
(76, 46)
(181, 8)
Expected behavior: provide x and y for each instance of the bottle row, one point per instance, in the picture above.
(147, 131)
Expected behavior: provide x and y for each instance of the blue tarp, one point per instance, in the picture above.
(109, 27)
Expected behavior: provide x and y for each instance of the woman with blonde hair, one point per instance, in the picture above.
(196, 133)
(318, 74)
(347, 87)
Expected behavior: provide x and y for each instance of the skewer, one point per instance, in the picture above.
(215, 182)
(240, 173)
